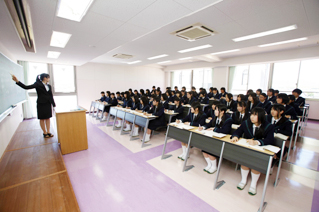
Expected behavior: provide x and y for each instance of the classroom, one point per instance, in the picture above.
(159, 105)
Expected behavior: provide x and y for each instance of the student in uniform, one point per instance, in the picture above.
(127, 103)
(230, 103)
(154, 88)
(148, 93)
(156, 110)
(184, 96)
(164, 101)
(130, 91)
(220, 124)
(252, 102)
(142, 107)
(113, 102)
(264, 103)
(241, 98)
(142, 93)
(151, 100)
(184, 89)
(271, 95)
(195, 118)
(158, 93)
(176, 88)
(107, 96)
(173, 94)
(240, 115)
(257, 131)
(195, 94)
(215, 93)
(170, 99)
(277, 118)
(102, 99)
(203, 99)
(258, 92)
(190, 98)
(300, 101)
(290, 112)
(177, 108)
(137, 94)
(178, 94)
(211, 112)
(118, 96)
(135, 106)
(210, 93)
(276, 92)
(294, 105)
(223, 93)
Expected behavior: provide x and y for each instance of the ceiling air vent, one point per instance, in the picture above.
(194, 32)
(123, 56)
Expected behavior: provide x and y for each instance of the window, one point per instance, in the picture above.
(64, 80)
(238, 79)
(285, 76)
(203, 78)
(258, 77)
(308, 78)
(182, 78)
(34, 70)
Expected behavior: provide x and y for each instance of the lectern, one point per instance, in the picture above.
(71, 127)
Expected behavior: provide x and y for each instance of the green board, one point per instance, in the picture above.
(10, 93)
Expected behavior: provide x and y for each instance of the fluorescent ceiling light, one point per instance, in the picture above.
(54, 55)
(195, 48)
(283, 42)
(73, 10)
(185, 58)
(156, 57)
(224, 52)
(167, 61)
(262, 34)
(137, 61)
(59, 39)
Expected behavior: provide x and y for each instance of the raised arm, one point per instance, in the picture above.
(14, 78)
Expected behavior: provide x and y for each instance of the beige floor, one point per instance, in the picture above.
(294, 193)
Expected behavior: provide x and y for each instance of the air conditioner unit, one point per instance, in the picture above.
(194, 32)
(21, 17)
(123, 56)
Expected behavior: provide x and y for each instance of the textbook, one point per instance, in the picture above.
(244, 143)
(281, 136)
(182, 126)
(272, 148)
(213, 134)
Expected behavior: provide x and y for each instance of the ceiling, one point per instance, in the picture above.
(142, 28)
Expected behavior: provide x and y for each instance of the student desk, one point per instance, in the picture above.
(259, 160)
(204, 106)
(170, 116)
(132, 116)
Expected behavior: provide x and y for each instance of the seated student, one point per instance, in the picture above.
(300, 101)
(220, 124)
(195, 118)
(277, 118)
(130, 91)
(107, 96)
(294, 105)
(102, 99)
(122, 96)
(183, 96)
(148, 93)
(190, 98)
(215, 93)
(135, 106)
(271, 95)
(137, 94)
(177, 108)
(210, 93)
(290, 112)
(142, 93)
(127, 103)
(276, 92)
(151, 100)
(264, 103)
(223, 93)
(158, 93)
(249, 91)
(203, 99)
(252, 102)
(156, 110)
(142, 108)
(170, 99)
(173, 94)
(176, 88)
(258, 92)
(230, 103)
(153, 89)
(178, 94)
(240, 98)
(240, 115)
(211, 112)
(183, 88)
(113, 102)
(118, 96)
(257, 131)
(164, 101)
(195, 94)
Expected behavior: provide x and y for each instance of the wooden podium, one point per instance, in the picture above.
(71, 127)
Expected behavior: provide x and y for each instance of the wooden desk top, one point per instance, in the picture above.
(69, 110)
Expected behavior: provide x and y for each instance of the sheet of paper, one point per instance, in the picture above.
(281, 136)
(272, 148)
(235, 126)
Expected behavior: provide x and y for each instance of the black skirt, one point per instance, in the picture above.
(154, 124)
(44, 110)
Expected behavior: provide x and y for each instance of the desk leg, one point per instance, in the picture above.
(289, 148)
(164, 148)
(115, 119)
(123, 123)
(145, 130)
(296, 137)
(303, 119)
(185, 167)
(279, 165)
(217, 183)
(262, 203)
(133, 127)
(170, 119)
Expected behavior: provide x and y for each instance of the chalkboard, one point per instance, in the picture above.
(10, 93)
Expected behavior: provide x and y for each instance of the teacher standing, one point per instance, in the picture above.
(45, 100)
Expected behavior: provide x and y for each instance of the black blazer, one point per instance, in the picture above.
(232, 106)
(179, 110)
(235, 117)
(300, 101)
(248, 109)
(44, 96)
(199, 120)
(283, 126)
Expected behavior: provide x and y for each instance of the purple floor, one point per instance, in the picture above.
(109, 177)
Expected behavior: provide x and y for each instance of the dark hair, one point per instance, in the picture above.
(254, 96)
(193, 87)
(260, 112)
(142, 91)
(130, 89)
(278, 108)
(164, 97)
(147, 91)
(41, 77)
(276, 91)
(172, 91)
(178, 92)
(264, 95)
(203, 93)
(221, 107)
(135, 91)
(113, 94)
(191, 93)
(200, 112)
(260, 91)
(211, 88)
(153, 96)
(249, 91)
(297, 90)
(283, 97)
(229, 95)
(215, 102)
(145, 101)
(102, 92)
(168, 92)
(128, 95)
(242, 97)
(223, 89)
(175, 87)
(272, 91)
(122, 93)
(135, 97)
(184, 87)
(291, 97)
(242, 104)
(118, 92)
(108, 92)
(178, 100)
(157, 99)
(183, 91)
(153, 86)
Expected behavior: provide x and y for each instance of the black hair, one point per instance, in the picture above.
(164, 97)
(178, 100)
(183, 91)
(283, 97)
(169, 92)
(130, 89)
(41, 77)
(147, 91)
(175, 87)
(203, 93)
(122, 93)
(142, 91)
(249, 91)
(153, 96)
(223, 88)
(264, 95)
(193, 87)
(200, 112)
(178, 92)
(102, 92)
(260, 112)
(230, 96)
(113, 94)
(298, 91)
(172, 91)
(118, 92)
(278, 108)
(272, 91)
(276, 91)
(259, 90)
(215, 102)
(242, 97)
(211, 88)
(254, 96)
(108, 92)
(184, 87)
(135, 97)
(145, 101)
(242, 104)
(157, 99)
(291, 97)
(135, 90)
(158, 88)
(128, 95)
(221, 107)
(191, 93)
(153, 86)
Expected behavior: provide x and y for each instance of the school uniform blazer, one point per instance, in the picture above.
(171, 99)
(272, 99)
(224, 128)
(222, 95)
(283, 126)
(119, 98)
(44, 96)
(210, 94)
(297, 109)
(198, 120)
(300, 101)
(248, 109)
(211, 113)
(145, 108)
(291, 112)
(165, 104)
(232, 106)
(195, 94)
(160, 120)
(203, 100)
(215, 96)
(179, 110)
(135, 106)
(267, 138)
(113, 101)
(127, 103)
(266, 105)
(235, 116)
(193, 99)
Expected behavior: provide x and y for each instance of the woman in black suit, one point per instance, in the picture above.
(44, 101)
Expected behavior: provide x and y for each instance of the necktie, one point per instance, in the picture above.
(275, 122)
(240, 118)
(256, 130)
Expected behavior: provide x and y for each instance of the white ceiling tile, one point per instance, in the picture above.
(43, 11)
(312, 10)
(196, 5)
(128, 32)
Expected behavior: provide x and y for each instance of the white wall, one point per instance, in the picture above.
(92, 78)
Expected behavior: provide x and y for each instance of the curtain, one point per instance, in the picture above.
(172, 80)
(27, 107)
(231, 78)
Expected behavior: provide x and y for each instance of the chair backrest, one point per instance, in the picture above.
(278, 142)
(186, 111)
